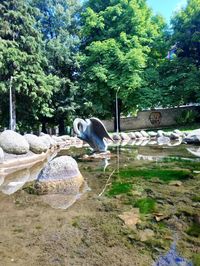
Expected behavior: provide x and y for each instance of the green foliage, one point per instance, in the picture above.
(22, 57)
(119, 188)
(117, 38)
(59, 24)
(187, 117)
(175, 82)
(67, 60)
(146, 205)
(186, 33)
(165, 175)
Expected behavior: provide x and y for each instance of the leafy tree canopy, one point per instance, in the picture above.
(22, 57)
(117, 38)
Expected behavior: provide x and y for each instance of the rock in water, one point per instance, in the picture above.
(61, 175)
(1, 155)
(172, 259)
(163, 140)
(12, 142)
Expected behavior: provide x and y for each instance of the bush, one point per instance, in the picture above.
(187, 117)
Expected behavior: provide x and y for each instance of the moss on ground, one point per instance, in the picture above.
(196, 259)
(165, 175)
(194, 230)
(119, 188)
(146, 205)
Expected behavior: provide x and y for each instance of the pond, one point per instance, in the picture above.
(135, 204)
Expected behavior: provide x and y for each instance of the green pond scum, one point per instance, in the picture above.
(165, 175)
(119, 188)
(146, 205)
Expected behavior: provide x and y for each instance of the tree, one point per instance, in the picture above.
(186, 34)
(117, 38)
(175, 81)
(22, 61)
(59, 22)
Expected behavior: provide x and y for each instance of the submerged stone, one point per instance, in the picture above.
(61, 175)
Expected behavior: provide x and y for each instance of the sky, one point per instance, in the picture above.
(166, 7)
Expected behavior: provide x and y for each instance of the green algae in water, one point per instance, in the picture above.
(194, 230)
(196, 259)
(165, 175)
(146, 205)
(119, 188)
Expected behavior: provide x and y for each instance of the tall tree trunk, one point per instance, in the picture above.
(12, 97)
(61, 126)
(44, 130)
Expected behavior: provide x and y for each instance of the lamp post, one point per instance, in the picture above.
(12, 122)
(10, 104)
(117, 110)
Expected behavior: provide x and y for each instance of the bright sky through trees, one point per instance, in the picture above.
(166, 8)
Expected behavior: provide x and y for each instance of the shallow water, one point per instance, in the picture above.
(162, 182)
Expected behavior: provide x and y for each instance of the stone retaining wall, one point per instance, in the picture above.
(157, 118)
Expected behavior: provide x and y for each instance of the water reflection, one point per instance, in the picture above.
(13, 182)
(194, 150)
(142, 151)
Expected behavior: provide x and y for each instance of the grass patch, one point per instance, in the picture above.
(162, 174)
(194, 230)
(146, 205)
(119, 188)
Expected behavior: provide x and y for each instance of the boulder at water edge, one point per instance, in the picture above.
(144, 134)
(116, 136)
(61, 175)
(138, 135)
(36, 143)
(193, 137)
(124, 136)
(1, 155)
(50, 142)
(12, 142)
(131, 135)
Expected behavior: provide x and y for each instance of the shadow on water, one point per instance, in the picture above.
(159, 181)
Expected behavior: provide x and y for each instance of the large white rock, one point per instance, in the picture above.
(174, 136)
(61, 175)
(144, 134)
(50, 142)
(1, 155)
(132, 135)
(124, 136)
(63, 167)
(12, 142)
(163, 140)
(160, 133)
(138, 135)
(116, 136)
(193, 137)
(152, 134)
(36, 143)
